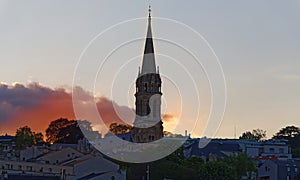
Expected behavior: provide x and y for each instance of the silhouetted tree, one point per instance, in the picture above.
(292, 135)
(116, 128)
(69, 134)
(26, 138)
(69, 131)
(256, 134)
(287, 132)
(54, 128)
(87, 130)
(38, 138)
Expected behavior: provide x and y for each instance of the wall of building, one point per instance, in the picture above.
(33, 168)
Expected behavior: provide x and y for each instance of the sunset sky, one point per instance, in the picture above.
(257, 44)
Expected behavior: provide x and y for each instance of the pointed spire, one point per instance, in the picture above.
(149, 57)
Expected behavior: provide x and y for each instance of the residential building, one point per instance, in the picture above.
(218, 148)
(279, 169)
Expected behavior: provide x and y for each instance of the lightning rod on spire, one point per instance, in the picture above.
(149, 11)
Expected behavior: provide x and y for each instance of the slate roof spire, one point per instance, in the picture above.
(148, 65)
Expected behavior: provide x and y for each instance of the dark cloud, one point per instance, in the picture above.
(17, 98)
(36, 106)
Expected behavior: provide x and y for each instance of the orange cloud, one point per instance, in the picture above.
(36, 106)
(168, 117)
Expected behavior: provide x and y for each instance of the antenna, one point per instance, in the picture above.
(149, 10)
(139, 71)
(234, 131)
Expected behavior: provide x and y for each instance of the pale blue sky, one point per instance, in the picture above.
(256, 41)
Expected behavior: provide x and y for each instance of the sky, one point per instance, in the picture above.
(256, 42)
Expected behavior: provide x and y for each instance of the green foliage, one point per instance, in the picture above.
(26, 138)
(234, 167)
(256, 134)
(176, 166)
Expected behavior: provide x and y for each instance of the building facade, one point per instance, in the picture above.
(148, 124)
(261, 151)
(278, 169)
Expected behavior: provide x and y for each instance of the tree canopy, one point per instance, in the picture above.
(256, 134)
(176, 166)
(287, 132)
(116, 128)
(26, 138)
(69, 131)
(292, 135)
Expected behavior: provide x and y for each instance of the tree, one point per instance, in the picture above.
(236, 167)
(54, 128)
(38, 138)
(292, 135)
(69, 131)
(69, 134)
(87, 130)
(26, 138)
(116, 128)
(287, 133)
(256, 134)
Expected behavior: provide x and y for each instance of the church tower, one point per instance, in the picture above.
(147, 126)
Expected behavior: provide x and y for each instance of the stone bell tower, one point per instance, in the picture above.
(147, 126)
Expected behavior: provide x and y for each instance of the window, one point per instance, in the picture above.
(151, 138)
(261, 150)
(296, 169)
(288, 169)
(29, 168)
(267, 169)
(50, 169)
(20, 167)
(281, 150)
(272, 150)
